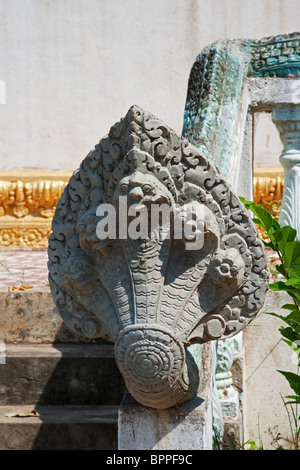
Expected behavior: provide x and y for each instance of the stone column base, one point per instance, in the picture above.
(184, 427)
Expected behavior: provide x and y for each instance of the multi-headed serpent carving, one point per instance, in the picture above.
(151, 296)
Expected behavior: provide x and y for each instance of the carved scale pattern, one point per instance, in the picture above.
(276, 56)
(153, 297)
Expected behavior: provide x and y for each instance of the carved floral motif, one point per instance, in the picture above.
(25, 236)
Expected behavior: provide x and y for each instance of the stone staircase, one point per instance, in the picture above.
(72, 387)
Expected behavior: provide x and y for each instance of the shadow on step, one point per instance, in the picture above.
(81, 391)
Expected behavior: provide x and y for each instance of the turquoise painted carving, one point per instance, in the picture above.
(216, 83)
(277, 56)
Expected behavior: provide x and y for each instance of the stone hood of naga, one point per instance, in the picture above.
(152, 296)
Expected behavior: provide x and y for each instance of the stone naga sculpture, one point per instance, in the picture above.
(152, 296)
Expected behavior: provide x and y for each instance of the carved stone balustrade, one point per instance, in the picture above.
(154, 295)
(227, 351)
(287, 120)
(230, 81)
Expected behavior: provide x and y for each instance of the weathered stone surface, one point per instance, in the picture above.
(216, 85)
(152, 296)
(275, 56)
(187, 426)
(266, 93)
(60, 375)
(32, 317)
(59, 428)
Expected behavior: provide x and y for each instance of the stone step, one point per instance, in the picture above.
(30, 316)
(60, 374)
(59, 428)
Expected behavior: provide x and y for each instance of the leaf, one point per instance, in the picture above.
(290, 288)
(290, 335)
(281, 317)
(276, 286)
(278, 235)
(280, 269)
(295, 400)
(293, 379)
(253, 446)
(294, 317)
(285, 234)
(269, 245)
(263, 217)
(293, 281)
(274, 314)
(290, 307)
(23, 414)
(294, 271)
(292, 253)
(244, 201)
(296, 297)
(293, 346)
(280, 285)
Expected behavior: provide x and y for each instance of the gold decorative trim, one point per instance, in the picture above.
(27, 204)
(28, 200)
(268, 185)
(268, 190)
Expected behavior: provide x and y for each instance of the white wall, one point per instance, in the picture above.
(267, 143)
(72, 68)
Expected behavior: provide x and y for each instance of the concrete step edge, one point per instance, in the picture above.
(58, 350)
(92, 414)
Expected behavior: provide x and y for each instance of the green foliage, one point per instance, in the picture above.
(253, 446)
(282, 241)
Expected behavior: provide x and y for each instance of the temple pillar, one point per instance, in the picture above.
(287, 120)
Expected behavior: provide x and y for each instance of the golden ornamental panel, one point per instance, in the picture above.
(268, 190)
(268, 187)
(28, 200)
(27, 204)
